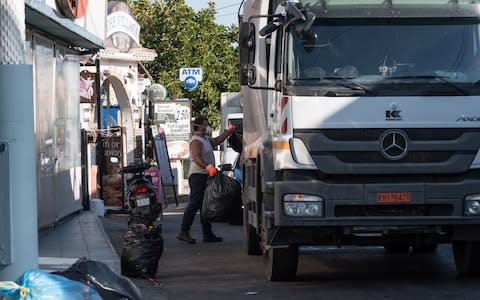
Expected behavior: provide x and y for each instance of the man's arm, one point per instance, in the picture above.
(219, 139)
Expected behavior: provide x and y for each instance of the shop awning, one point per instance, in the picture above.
(42, 17)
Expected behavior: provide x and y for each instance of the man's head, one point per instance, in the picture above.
(200, 125)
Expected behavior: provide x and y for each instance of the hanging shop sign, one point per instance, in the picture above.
(123, 31)
(156, 93)
(72, 9)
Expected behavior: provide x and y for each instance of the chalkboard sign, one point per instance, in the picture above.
(161, 154)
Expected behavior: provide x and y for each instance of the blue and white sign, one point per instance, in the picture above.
(190, 83)
(194, 72)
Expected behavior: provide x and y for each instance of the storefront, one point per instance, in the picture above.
(56, 40)
(119, 138)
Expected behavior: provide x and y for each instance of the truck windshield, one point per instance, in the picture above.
(441, 55)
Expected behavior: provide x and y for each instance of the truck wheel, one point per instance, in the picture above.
(252, 240)
(281, 263)
(466, 257)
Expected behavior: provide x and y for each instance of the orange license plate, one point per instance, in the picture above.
(394, 197)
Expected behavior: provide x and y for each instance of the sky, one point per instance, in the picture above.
(226, 9)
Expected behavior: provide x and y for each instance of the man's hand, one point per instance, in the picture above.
(211, 170)
(231, 128)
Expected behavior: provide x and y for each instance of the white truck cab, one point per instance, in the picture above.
(361, 127)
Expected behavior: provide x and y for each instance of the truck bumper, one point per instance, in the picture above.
(351, 212)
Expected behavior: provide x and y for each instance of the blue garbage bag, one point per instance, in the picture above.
(39, 285)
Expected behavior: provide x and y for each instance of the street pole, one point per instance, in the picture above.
(18, 175)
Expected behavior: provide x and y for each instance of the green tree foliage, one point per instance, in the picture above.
(185, 38)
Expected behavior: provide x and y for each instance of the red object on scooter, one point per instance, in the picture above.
(141, 189)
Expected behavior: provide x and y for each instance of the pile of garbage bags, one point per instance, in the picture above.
(143, 242)
(142, 249)
(84, 280)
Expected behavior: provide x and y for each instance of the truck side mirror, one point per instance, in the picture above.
(247, 50)
(247, 45)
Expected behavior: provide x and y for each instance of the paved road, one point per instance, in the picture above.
(223, 271)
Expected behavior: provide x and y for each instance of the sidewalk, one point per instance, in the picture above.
(79, 235)
(82, 235)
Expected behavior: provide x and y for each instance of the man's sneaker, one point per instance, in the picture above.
(211, 238)
(185, 236)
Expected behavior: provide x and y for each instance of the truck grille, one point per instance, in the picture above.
(376, 157)
(359, 151)
(432, 210)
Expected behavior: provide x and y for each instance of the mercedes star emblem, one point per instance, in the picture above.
(394, 144)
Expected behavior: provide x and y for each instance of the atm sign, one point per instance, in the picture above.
(197, 73)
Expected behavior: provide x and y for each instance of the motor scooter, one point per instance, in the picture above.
(143, 241)
(141, 196)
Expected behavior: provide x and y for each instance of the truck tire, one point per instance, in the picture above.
(281, 263)
(466, 257)
(252, 239)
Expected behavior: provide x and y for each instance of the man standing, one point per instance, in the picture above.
(202, 165)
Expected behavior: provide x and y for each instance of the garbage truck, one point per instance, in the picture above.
(361, 127)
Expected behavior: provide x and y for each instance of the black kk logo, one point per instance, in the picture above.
(393, 115)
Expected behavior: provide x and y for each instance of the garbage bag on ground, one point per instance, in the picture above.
(222, 195)
(40, 285)
(142, 249)
(99, 276)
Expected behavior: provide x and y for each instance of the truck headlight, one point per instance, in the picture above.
(300, 205)
(472, 205)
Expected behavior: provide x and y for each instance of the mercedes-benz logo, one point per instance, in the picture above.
(394, 144)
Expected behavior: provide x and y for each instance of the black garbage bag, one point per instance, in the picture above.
(235, 141)
(108, 284)
(146, 215)
(142, 249)
(221, 196)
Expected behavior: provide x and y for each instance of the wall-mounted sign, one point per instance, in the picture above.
(123, 32)
(87, 87)
(110, 158)
(72, 9)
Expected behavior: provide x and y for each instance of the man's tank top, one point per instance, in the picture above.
(206, 155)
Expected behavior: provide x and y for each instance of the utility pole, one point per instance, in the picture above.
(18, 175)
